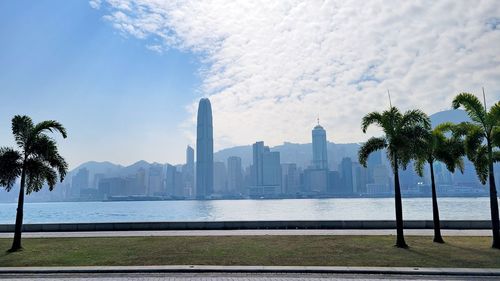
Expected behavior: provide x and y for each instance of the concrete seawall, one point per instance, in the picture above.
(228, 225)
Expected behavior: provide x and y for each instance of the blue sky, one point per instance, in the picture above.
(124, 76)
(119, 101)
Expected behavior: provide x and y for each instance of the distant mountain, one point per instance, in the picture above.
(94, 167)
(132, 169)
(454, 116)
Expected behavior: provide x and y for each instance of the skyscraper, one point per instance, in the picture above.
(188, 172)
(320, 158)
(80, 181)
(346, 175)
(290, 178)
(266, 171)
(258, 166)
(234, 175)
(190, 158)
(220, 178)
(155, 180)
(204, 150)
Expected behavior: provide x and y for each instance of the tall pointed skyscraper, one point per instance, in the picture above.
(320, 158)
(204, 150)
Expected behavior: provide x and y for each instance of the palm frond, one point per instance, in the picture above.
(446, 127)
(419, 166)
(370, 119)
(494, 114)
(21, 129)
(449, 150)
(10, 167)
(50, 126)
(415, 117)
(472, 106)
(46, 149)
(37, 174)
(372, 145)
(481, 164)
(473, 141)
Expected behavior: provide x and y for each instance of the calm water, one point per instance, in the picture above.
(220, 210)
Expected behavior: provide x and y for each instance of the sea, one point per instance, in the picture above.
(451, 208)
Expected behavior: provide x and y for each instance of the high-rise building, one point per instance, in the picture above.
(334, 182)
(258, 166)
(266, 171)
(141, 181)
(155, 180)
(79, 182)
(234, 175)
(290, 178)
(320, 156)
(174, 182)
(170, 180)
(188, 172)
(346, 175)
(97, 178)
(380, 181)
(359, 178)
(220, 178)
(315, 181)
(272, 170)
(204, 150)
(111, 187)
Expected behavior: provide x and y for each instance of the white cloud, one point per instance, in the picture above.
(273, 66)
(96, 4)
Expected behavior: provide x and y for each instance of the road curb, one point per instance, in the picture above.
(253, 269)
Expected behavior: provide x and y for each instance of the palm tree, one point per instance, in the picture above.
(438, 147)
(38, 161)
(403, 134)
(482, 140)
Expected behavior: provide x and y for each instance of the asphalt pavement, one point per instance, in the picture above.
(235, 277)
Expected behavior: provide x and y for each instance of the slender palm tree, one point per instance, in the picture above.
(482, 140)
(37, 162)
(404, 133)
(438, 147)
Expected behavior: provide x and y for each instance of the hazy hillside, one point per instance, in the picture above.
(454, 116)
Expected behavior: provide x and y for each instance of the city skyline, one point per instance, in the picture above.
(125, 80)
(324, 170)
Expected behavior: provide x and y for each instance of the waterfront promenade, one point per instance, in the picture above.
(250, 232)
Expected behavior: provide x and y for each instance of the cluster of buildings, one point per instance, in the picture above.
(265, 177)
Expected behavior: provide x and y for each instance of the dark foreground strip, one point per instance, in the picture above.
(231, 225)
(253, 269)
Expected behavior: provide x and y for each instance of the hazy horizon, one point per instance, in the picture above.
(125, 76)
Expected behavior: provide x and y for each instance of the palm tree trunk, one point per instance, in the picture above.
(16, 244)
(400, 239)
(435, 210)
(493, 201)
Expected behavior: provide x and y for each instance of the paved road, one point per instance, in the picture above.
(253, 232)
(233, 277)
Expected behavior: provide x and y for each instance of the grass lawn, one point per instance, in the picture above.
(253, 250)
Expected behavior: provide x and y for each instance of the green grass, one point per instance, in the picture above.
(253, 250)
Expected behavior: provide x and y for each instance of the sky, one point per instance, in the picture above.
(125, 76)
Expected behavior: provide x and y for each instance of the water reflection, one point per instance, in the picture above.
(285, 209)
